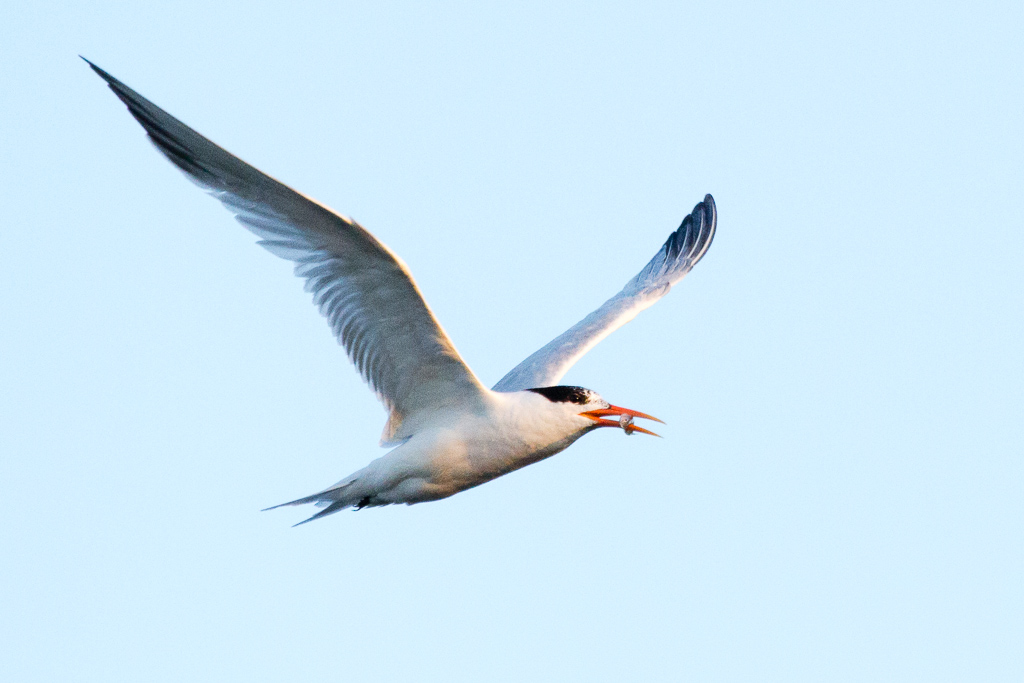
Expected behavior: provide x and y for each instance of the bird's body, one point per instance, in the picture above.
(449, 432)
(462, 450)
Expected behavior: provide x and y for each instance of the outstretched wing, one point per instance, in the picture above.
(364, 290)
(677, 256)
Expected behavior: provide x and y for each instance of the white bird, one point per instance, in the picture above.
(449, 431)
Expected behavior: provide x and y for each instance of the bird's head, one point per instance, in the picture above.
(588, 404)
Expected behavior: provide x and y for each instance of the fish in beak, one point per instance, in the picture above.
(625, 420)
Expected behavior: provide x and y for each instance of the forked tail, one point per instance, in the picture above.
(333, 499)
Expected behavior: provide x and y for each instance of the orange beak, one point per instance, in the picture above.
(625, 419)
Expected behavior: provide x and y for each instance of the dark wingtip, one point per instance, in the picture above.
(708, 213)
(712, 211)
(710, 208)
(102, 74)
(693, 237)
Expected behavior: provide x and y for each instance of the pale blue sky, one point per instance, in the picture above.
(839, 493)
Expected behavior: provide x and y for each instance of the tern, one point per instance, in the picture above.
(448, 432)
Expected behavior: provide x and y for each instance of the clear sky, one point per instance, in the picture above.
(839, 493)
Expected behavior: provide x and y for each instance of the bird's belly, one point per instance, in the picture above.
(461, 463)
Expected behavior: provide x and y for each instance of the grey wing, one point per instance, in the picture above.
(681, 252)
(364, 290)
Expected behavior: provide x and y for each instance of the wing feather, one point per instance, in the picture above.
(364, 290)
(680, 253)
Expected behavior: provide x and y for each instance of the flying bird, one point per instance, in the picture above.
(448, 432)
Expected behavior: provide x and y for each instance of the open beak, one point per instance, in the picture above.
(625, 420)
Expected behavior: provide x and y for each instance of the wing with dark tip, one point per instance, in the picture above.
(681, 252)
(364, 290)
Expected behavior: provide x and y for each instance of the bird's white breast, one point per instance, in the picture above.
(463, 450)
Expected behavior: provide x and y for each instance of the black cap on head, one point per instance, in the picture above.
(561, 394)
